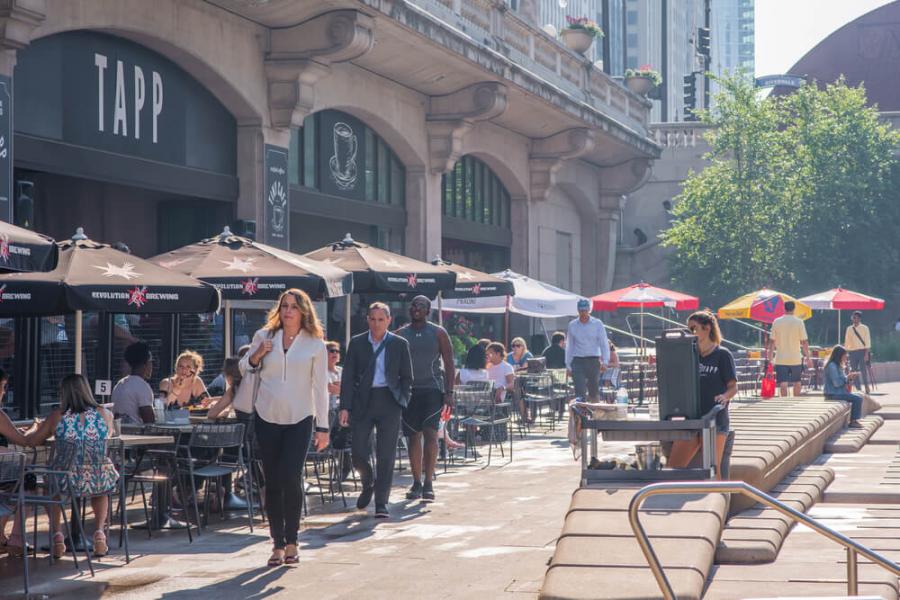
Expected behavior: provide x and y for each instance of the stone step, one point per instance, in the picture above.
(597, 555)
(756, 534)
(852, 440)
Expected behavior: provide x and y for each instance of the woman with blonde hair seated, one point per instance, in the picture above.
(184, 388)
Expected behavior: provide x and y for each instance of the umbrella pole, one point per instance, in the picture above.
(229, 350)
(440, 306)
(347, 300)
(78, 341)
(506, 325)
(839, 327)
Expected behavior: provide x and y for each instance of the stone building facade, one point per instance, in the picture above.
(427, 127)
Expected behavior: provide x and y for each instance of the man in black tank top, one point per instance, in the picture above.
(433, 377)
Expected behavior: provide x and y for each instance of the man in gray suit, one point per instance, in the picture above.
(376, 384)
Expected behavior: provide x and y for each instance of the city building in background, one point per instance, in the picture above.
(732, 30)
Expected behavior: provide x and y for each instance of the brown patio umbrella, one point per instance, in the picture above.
(379, 271)
(243, 269)
(91, 276)
(24, 250)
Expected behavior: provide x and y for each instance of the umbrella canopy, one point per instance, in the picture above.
(24, 250)
(474, 284)
(243, 269)
(841, 299)
(644, 295)
(376, 270)
(530, 297)
(91, 276)
(762, 305)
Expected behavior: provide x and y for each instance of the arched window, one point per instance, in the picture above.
(473, 192)
(335, 153)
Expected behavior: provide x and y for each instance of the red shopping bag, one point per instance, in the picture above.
(767, 388)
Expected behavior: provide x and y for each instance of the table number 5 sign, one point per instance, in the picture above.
(103, 387)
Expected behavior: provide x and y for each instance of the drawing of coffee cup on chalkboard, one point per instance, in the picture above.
(278, 200)
(343, 162)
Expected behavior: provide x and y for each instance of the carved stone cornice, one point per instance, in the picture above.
(549, 153)
(18, 19)
(624, 178)
(451, 116)
(298, 57)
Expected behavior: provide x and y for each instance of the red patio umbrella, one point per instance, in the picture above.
(840, 299)
(643, 295)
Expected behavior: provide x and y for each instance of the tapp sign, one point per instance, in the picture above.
(118, 121)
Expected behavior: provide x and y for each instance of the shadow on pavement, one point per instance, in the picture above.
(250, 585)
(359, 526)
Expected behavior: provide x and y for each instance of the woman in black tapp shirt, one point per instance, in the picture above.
(718, 385)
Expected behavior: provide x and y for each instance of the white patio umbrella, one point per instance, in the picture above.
(532, 298)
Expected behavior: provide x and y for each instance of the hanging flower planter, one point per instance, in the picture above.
(579, 33)
(642, 80)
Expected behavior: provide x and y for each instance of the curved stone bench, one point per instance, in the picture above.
(597, 555)
(775, 436)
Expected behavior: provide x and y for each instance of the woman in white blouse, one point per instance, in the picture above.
(291, 362)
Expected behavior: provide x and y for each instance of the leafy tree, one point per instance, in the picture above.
(799, 195)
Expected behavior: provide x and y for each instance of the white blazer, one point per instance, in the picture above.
(293, 385)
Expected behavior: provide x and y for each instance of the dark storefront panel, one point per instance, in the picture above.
(476, 225)
(9, 403)
(57, 354)
(204, 334)
(345, 179)
(309, 232)
(118, 139)
(100, 91)
(155, 330)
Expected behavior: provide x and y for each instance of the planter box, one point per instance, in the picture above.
(639, 85)
(577, 39)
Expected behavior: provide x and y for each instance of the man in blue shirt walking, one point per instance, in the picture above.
(587, 352)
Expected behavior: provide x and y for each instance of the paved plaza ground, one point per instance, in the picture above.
(489, 535)
(491, 532)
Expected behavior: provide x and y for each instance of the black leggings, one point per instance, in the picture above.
(283, 449)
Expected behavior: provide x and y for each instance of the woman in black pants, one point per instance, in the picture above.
(289, 356)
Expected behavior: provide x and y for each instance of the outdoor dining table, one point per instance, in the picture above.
(160, 516)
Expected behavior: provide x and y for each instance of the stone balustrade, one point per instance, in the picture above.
(678, 135)
(503, 32)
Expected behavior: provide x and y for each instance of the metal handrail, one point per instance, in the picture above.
(681, 326)
(739, 487)
(629, 334)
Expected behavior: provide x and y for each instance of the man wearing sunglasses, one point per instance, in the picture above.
(432, 391)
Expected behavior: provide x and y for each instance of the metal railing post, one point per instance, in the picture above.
(739, 487)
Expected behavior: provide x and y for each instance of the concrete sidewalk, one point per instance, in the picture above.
(490, 533)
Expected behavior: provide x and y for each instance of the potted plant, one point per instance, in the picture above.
(579, 33)
(642, 80)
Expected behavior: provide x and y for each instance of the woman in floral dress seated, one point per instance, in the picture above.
(85, 426)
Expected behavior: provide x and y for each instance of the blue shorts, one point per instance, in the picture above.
(788, 373)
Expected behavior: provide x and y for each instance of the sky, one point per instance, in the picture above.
(787, 29)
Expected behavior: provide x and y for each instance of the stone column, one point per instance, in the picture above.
(520, 226)
(423, 213)
(606, 238)
(252, 139)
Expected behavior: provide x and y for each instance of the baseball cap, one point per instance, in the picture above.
(584, 304)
